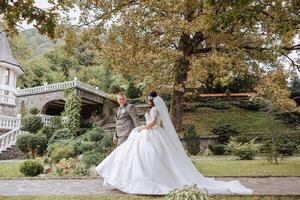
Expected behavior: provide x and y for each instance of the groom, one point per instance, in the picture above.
(126, 119)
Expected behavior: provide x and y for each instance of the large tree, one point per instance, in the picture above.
(14, 12)
(177, 45)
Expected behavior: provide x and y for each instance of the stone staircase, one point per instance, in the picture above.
(8, 149)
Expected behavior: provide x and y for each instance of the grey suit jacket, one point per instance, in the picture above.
(127, 120)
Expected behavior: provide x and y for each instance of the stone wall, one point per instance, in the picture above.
(38, 100)
(7, 110)
(12, 153)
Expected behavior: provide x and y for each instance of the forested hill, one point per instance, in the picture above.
(38, 44)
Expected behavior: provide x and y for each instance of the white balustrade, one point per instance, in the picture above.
(9, 139)
(60, 86)
(47, 119)
(7, 122)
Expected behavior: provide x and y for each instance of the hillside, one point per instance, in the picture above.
(38, 44)
(245, 121)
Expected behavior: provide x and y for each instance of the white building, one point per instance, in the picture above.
(9, 70)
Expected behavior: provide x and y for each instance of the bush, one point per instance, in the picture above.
(32, 144)
(47, 132)
(84, 146)
(96, 134)
(92, 158)
(245, 151)
(192, 140)
(115, 89)
(243, 139)
(80, 170)
(31, 168)
(188, 192)
(225, 132)
(32, 124)
(218, 105)
(207, 153)
(132, 91)
(250, 105)
(58, 152)
(286, 147)
(217, 149)
(34, 111)
(60, 134)
(85, 124)
(290, 118)
(72, 111)
(55, 122)
(106, 142)
(64, 167)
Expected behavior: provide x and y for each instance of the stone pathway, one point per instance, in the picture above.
(261, 186)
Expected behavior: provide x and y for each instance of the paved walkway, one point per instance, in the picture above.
(261, 186)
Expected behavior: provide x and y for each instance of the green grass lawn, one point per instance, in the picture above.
(133, 197)
(205, 119)
(287, 167)
(212, 166)
(10, 169)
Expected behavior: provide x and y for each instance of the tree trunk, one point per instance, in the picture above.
(176, 111)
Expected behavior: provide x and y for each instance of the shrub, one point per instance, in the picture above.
(92, 158)
(32, 124)
(34, 111)
(290, 118)
(254, 105)
(84, 146)
(60, 152)
(80, 170)
(192, 140)
(65, 167)
(245, 151)
(225, 132)
(85, 124)
(188, 192)
(217, 149)
(55, 122)
(106, 142)
(47, 132)
(242, 138)
(115, 88)
(286, 147)
(31, 168)
(132, 91)
(96, 134)
(32, 144)
(218, 105)
(60, 134)
(207, 153)
(72, 111)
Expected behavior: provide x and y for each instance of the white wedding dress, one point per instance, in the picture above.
(154, 162)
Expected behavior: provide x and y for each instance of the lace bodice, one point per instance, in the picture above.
(153, 114)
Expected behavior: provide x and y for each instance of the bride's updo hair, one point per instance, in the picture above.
(150, 98)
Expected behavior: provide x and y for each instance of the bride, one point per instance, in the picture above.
(153, 161)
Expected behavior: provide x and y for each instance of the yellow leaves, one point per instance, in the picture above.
(273, 86)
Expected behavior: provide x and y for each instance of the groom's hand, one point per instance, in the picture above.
(115, 140)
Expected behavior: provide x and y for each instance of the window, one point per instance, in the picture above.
(7, 75)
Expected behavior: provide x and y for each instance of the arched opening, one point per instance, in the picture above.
(55, 107)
